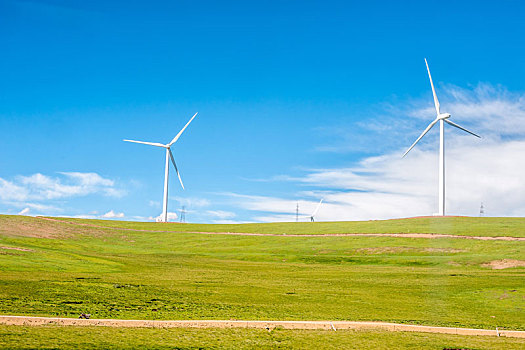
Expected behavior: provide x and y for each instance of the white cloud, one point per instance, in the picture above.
(42, 187)
(171, 217)
(112, 215)
(37, 191)
(37, 208)
(221, 214)
(11, 191)
(93, 215)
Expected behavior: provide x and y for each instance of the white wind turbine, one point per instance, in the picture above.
(442, 118)
(312, 217)
(166, 171)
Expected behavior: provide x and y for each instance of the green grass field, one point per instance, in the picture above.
(59, 269)
(467, 226)
(52, 337)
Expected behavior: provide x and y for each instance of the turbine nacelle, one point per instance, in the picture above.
(443, 116)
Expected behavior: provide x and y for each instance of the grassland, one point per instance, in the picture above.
(466, 226)
(59, 269)
(52, 337)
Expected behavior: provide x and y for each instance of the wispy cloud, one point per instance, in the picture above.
(220, 214)
(491, 110)
(278, 209)
(192, 202)
(154, 204)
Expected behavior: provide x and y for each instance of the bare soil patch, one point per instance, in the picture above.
(444, 250)
(21, 226)
(504, 264)
(385, 250)
(15, 226)
(17, 248)
(394, 250)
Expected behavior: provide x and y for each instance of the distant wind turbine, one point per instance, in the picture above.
(169, 156)
(442, 118)
(312, 217)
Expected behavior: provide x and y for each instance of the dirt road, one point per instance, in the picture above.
(326, 325)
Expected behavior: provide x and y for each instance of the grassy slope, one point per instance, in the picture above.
(469, 226)
(13, 337)
(112, 273)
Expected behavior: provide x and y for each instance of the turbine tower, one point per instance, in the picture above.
(442, 118)
(169, 156)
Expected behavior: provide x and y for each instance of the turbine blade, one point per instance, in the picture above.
(175, 165)
(180, 132)
(459, 127)
(148, 143)
(420, 136)
(318, 205)
(436, 101)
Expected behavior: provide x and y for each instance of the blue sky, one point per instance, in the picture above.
(297, 101)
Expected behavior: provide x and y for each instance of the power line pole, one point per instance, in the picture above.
(297, 212)
(183, 214)
(481, 210)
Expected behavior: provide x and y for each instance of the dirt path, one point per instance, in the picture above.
(325, 325)
(401, 235)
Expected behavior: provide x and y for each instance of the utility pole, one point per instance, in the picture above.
(297, 212)
(183, 214)
(481, 210)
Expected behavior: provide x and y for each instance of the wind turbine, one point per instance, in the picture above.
(169, 156)
(442, 118)
(312, 217)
